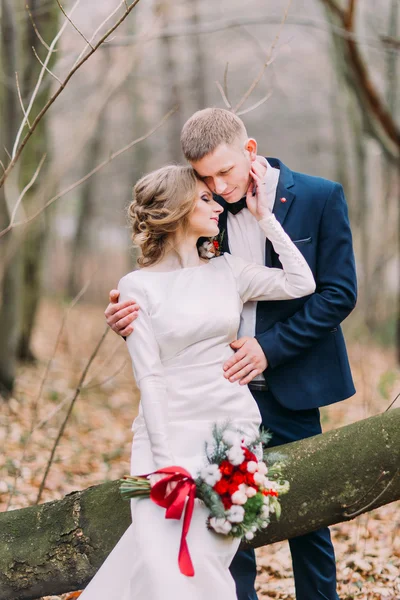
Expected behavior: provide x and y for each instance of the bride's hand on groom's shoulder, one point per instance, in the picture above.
(120, 315)
(256, 197)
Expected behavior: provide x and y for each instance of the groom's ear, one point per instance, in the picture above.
(251, 147)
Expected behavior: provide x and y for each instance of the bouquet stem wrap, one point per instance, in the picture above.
(180, 499)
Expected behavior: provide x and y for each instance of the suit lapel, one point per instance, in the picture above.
(283, 190)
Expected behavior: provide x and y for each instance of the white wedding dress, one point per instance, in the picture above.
(187, 320)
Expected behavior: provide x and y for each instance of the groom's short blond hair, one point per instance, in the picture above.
(207, 129)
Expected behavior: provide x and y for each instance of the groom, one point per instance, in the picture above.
(291, 353)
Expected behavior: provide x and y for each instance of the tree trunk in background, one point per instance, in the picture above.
(199, 78)
(86, 210)
(172, 95)
(46, 17)
(11, 275)
(392, 172)
(333, 477)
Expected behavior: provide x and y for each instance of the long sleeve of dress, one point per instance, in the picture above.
(149, 372)
(256, 282)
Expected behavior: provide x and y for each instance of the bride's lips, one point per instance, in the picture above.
(215, 219)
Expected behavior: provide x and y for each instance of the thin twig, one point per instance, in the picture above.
(20, 99)
(71, 406)
(107, 360)
(222, 92)
(39, 117)
(373, 502)
(15, 152)
(2, 165)
(380, 477)
(35, 29)
(266, 63)
(27, 187)
(97, 30)
(269, 20)
(72, 23)
(391, 404)
(35, 405)
(88, 175)
(100, 383)
(226, 81)
(256, 105)
(45, 67)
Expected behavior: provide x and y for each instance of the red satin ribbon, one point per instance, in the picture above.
(175, 502)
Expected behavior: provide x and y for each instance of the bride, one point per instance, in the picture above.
(189, 314)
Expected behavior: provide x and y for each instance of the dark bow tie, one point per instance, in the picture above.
(236, 207)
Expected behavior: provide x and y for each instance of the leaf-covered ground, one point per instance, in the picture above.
(96, 443)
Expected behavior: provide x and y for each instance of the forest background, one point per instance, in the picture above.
(316, 82)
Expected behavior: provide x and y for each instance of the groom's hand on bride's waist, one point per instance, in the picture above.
(248, 361)
(120, 315)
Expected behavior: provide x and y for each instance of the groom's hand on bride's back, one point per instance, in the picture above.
(248, 361)
(120, 315)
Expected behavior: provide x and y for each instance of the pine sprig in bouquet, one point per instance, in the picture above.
(240, 490)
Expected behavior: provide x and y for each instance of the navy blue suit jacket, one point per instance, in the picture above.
(302, 339)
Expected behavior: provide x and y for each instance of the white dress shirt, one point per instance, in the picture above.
(247, 240)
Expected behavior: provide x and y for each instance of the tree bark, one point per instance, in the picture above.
(11, 272)
(171, 89)
(46, 20)
(58, 546)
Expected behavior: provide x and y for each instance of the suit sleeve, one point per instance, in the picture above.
(336, 289)
(149, 373)
(256, 282)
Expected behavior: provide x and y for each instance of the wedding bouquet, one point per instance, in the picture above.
(240, 490)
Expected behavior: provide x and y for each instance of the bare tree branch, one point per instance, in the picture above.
(381, 122)
(18, 149)
(73, 24)
(269, 20)
(37, 31)
(34, 95)
(71, 406)
(390, 41)
(257, 80)
(45, 67)
(222, 92)
(27, 187)
(20, 100)
(122, 3)
(256, 105)
(226, 81)
(35, 405)
(88, 175)
(110, 378)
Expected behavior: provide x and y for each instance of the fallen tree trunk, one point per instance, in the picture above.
(58, 546)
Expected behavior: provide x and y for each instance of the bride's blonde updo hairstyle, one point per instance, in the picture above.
(162, 203)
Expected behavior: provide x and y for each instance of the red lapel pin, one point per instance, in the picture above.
(283, 199)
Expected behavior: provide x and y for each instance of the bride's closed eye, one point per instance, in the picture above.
(206, 198)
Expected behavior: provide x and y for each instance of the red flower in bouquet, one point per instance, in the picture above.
(222, 486)
(226, 468)
(249, 455)
(238, 478)
(243, 467)
(249, 479)
(233, 487)
(226, 501)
